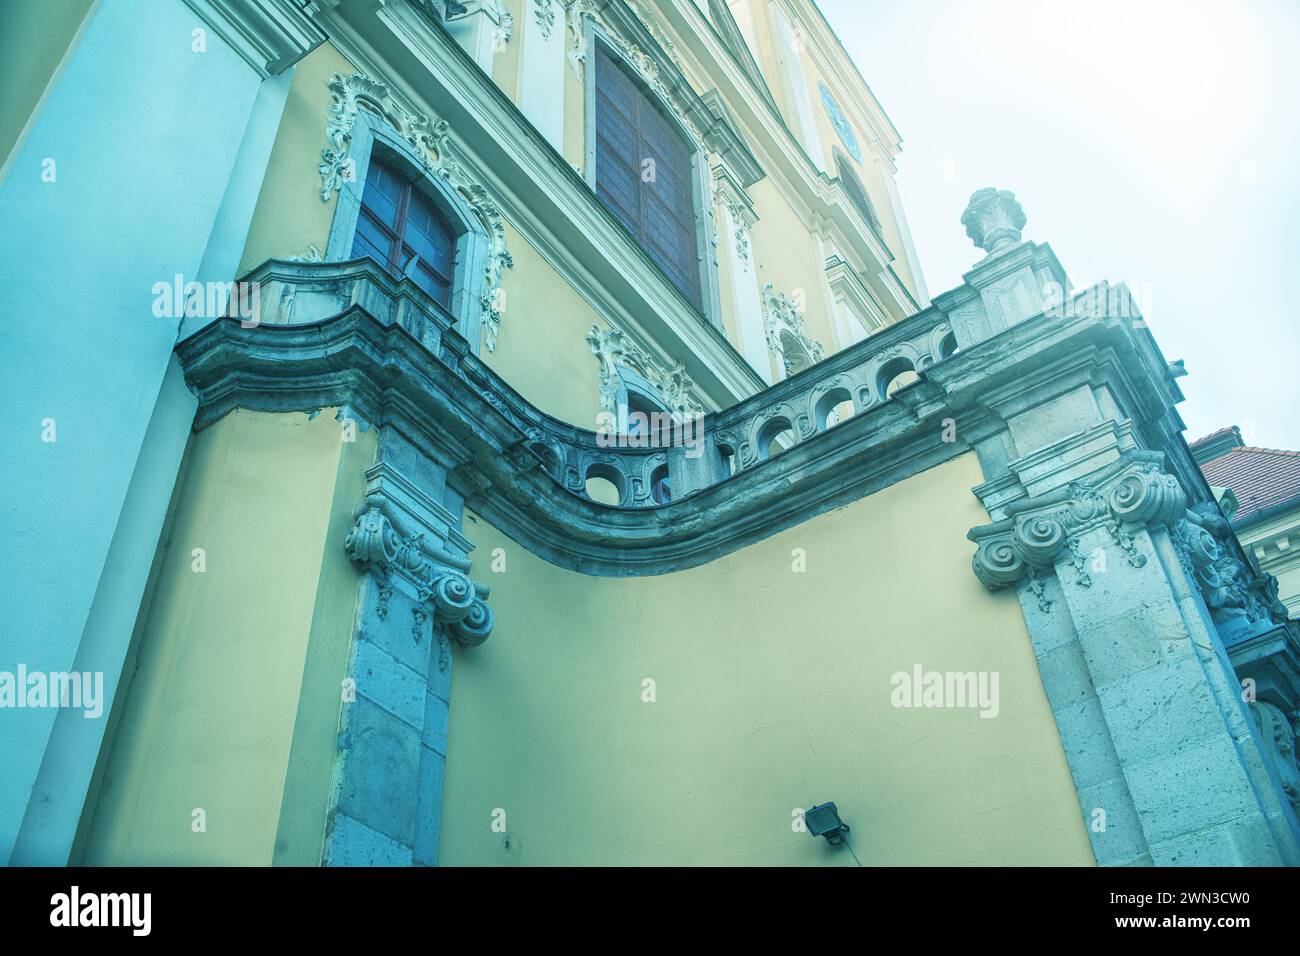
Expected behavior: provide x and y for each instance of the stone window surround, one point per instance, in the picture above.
(371, 133)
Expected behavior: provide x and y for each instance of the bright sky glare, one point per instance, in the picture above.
(1152, 142)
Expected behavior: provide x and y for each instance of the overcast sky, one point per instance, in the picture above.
(1153, 142)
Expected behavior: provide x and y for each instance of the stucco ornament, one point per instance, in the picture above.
(504, 29)
(740, 235)
(544, 14)
(457, 604)
(432, 143)
(613, 349)
(784, 329)
(993, 219)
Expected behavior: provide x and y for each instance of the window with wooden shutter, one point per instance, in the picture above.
(644, 175)
(402, 230)
(857, 193)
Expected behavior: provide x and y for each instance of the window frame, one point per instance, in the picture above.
(854, 188)
(634, 389)
(398, 244)
(372, 135)
(705, 229)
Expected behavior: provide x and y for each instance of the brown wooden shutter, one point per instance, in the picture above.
(660, 212)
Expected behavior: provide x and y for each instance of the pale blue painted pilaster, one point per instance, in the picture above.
(143, 131)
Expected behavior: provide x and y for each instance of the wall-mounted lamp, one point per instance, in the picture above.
(823, 820)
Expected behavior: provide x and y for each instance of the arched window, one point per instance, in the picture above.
(856, 192)
(644, 174)
(400, 228)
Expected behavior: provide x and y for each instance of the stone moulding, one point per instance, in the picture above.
(432, 142)
(335, 334)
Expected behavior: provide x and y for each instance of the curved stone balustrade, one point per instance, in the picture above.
(349, 335)
(693, 454)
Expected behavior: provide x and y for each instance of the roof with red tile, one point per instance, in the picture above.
(1261, 478)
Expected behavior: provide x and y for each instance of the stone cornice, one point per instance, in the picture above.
(271, 35)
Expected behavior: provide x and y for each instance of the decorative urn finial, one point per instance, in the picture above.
(993, 219)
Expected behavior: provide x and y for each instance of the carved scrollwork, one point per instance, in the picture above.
(1237, 597)
(1040, 537)
(1279, 735)
(614, 350)
(1132, 494)
(457, 603)
(998, 563)
(783, 328)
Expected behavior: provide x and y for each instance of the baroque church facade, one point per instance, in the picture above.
(518, 432)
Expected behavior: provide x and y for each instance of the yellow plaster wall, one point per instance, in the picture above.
(788, 255)
(228, 707)
(289, 214)
(772, 692)
(542, 350)
(505, 62)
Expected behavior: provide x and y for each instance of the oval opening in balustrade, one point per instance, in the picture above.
(834, 407)
(895, 375)
(948, 346)
(774, 437)
(661, 490)
(605, 484)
